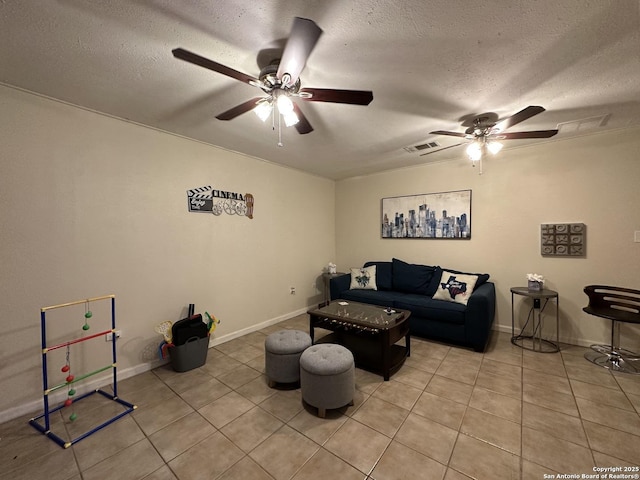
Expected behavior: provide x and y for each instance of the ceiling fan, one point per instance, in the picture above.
(280, 81)
(485, 132)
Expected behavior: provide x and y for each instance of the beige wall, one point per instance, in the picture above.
(593, 179)
(93, 205)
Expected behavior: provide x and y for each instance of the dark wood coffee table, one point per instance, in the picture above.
(369, 331)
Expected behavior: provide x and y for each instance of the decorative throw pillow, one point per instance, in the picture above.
(383, 275)
(482, 277)
(455, 287)
(363, 278)
(412, 278)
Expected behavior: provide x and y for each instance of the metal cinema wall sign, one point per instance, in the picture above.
(208, 200)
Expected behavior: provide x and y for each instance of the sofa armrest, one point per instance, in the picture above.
(339, 284)
(479, 316)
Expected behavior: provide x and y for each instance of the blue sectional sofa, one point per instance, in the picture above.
(413, 287)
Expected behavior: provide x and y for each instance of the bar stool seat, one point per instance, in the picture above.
(618, 305)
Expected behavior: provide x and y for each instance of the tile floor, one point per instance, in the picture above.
(449, 413)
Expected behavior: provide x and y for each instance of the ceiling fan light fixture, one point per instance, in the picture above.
(485, 132)
(474, 151)
(285, 105)
(263, 109)
(290, 118)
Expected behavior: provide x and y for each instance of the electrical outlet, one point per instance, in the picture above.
(109, 336)
(636, 236)
(292, 290)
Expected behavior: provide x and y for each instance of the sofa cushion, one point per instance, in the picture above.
(383, 298)
(429, 309)
(435, 282)
(412, 278)
(482, 277)
(363, 278)
(455, 287)
(383, 274)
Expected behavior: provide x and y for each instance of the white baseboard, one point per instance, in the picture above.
(581, 342)
(56, 398)
(254, 328)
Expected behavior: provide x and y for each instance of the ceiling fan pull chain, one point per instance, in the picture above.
(276, 111)
(273, 116)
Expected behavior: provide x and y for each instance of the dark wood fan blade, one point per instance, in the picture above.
(531, 134)
(303, 37)
(353, 97)
(451, 134)
(516, 118)
(239, 109)
(443, 148)
(303, 126)
(196, 59)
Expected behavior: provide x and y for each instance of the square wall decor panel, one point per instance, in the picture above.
(563, 239)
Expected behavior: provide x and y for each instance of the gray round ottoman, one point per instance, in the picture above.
(282, 352)
(327, 377)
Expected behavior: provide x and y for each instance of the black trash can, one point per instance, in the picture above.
(190, 343)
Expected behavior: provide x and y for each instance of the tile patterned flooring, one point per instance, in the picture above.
(449, 413)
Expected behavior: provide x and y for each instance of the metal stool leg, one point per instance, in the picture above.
(612, 356)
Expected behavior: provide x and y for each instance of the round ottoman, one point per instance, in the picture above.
(327, 377)
(282, 352)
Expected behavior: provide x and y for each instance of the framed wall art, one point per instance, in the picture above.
(563, 239)
(444, 215)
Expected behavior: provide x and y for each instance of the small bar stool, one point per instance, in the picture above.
(618, 305)
(282, 351)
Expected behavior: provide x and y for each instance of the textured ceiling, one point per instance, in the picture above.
(430, 65)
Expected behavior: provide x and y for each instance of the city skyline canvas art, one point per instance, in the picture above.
(443, 215)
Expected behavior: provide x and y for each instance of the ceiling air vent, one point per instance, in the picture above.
(424, 146)
(584, 124)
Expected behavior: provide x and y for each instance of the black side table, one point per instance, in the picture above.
(534, 340)
(326, 278)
